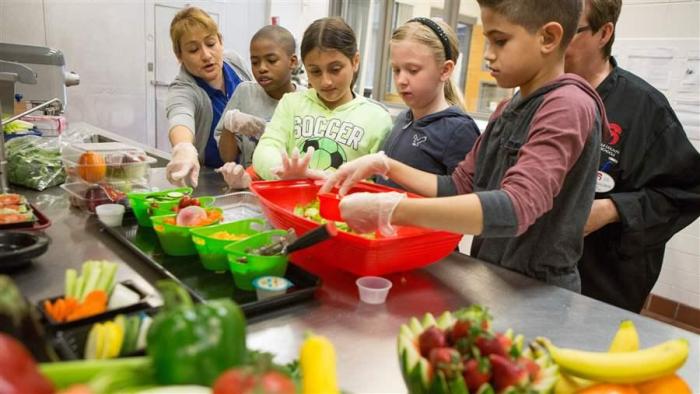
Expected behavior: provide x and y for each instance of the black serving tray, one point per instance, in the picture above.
(208, 285)
(53, 325)
(70, 343)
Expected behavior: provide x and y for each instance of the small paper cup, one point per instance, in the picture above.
(373, 289)
(270, 286)
(110, 214)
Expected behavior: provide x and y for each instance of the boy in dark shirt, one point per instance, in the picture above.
(527, 186)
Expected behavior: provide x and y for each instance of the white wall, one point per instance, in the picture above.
(674, 20)
(106, 43)
(296, 15)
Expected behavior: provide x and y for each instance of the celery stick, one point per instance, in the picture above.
(92, 279)
(71, 276)
(64, 374)
(106, 281)
(79, 284)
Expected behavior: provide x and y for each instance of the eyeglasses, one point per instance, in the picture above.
(582, 29)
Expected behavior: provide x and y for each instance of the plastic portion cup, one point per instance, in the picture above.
(373, 289)
(270, 286)
(110, 214)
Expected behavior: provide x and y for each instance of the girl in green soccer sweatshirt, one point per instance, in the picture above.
(328, 121)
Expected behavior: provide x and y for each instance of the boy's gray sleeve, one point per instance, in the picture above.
(180, 107)
(499, 215)
(446, 186)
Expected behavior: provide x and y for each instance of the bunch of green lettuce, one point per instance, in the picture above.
(34, 162)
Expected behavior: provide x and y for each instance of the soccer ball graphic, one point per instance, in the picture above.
(327, 153)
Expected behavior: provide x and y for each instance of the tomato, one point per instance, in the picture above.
(245, 381)
(92, 167)
(610, 388)
(671, 384)
(18, 370)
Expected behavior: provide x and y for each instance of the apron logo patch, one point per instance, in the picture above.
(615, 131)
(419, 140)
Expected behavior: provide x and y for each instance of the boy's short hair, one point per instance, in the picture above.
(600, 12)
(188, 19)
(533, 14)
(278, 34)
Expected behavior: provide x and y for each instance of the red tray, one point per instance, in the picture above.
(410, 248)
(40, 223)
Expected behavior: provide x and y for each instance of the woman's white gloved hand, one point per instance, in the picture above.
(366, 212)
(184, 162)
(296, 167)
(238, 122)
(235, 175)
(354, 171)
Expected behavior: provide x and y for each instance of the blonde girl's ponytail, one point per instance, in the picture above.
(442, 40)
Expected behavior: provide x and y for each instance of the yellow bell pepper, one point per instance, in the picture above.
(317, 362)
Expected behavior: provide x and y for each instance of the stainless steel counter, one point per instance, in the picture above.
(364, 335)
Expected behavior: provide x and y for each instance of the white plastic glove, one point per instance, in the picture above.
(235, 175)
(184, 162)
(366, 212)
(295, 167)
(238, 122)
(354, 171)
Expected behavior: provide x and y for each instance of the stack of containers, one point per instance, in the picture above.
(101, 173)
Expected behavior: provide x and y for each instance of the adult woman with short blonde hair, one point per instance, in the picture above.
(199, 93)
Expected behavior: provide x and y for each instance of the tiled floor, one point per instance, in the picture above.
(672, 312)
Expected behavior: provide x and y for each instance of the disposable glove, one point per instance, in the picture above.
(295, 167)
(238, 122)
(235, 175)
(366, 212)
(354, 171)
(184, 162)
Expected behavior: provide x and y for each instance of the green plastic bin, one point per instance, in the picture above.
(211, 250)
(256, 266)
(176, 240)
(140, 204)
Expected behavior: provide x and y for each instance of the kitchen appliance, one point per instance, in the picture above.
(49, 78)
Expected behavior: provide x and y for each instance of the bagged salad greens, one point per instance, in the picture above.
(34, 162)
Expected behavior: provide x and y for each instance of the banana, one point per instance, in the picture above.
(626, 338)
(625, 367)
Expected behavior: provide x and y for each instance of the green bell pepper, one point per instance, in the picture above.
(194, 344)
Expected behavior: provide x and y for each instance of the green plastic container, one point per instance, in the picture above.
(256, 266)
(140, 204)
(176, 240)
(211, 250)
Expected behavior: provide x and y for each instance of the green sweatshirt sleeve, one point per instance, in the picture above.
(277, 137)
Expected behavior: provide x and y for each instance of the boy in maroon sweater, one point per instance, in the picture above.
(527, 186)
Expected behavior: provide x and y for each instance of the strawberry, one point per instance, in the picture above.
(185, 202)
(431, 338)
(488, 345)
(533, 370)
(459, 330)
(447, 360)
(506, 373)
(476, 372)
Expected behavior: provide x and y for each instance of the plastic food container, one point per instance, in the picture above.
(409, 249)
(246, 267)
(373, 289)
(329, 206)
(110, 214)
(146, 204)
(106, 162)
(87, 197)
(271, 286)
(210, 245)
(176, 240)
(238, 206)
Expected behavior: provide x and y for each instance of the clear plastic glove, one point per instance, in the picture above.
(238, 122)
(235, 175)
(354, 171)
(184, 162)
(295, 167)
(366, 212)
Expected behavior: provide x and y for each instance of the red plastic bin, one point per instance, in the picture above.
(410, 248)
